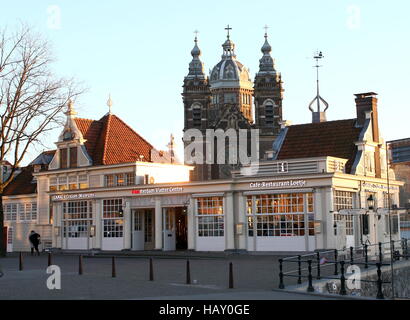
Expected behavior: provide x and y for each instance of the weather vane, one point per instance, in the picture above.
(318, 56)
(196, 34)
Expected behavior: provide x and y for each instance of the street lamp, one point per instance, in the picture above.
(370, 202)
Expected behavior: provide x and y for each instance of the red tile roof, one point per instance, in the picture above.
(111, 141)
(22, 183)
(331, 138)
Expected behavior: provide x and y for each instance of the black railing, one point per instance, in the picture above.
(368, 256)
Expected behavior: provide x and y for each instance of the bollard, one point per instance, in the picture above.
(49, 259)
(351, 256)
(281, 284)
(230, 275)
(318, 265)
(380, 253)
(21, 261)
(336, 262)
(366, 258)
(151, 270)
(342, 279)
(310, 286)
(113, 271)
(379, 282)
(299, 269)
(80, 265)
(188, 273)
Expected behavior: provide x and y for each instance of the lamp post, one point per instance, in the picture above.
(370, 202)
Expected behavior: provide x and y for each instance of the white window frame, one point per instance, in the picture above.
(111, 225)
(273, 214)
(212, 220)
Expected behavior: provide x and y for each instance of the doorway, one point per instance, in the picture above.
(142, 229)
(175, 235)
(181, 230)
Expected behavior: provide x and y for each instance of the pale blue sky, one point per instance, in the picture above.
(139, 52)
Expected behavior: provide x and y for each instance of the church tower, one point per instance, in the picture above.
(230, 84)
(226, 100)
(268, 93)
(196, 97)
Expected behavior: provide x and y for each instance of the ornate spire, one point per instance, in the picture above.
(70, 109)
(196, 67)
(171, 147)
(266, 64)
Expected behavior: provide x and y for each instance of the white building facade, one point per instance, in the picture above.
(105, 188)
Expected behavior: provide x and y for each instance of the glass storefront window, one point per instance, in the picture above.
(77, 219)
(113, 221)
(280, 215)
(210, 217)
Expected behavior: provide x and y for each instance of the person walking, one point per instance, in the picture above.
(34, 238)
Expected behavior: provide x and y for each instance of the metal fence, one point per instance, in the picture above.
(332, 264)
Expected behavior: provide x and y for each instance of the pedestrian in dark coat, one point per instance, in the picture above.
(34, 238)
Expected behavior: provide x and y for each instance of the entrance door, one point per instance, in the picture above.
(168, 215)
(76, 222)
(137, 229)
(181, 230)
(149, 229)
(340, 235)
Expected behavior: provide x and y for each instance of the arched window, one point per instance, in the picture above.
(196, 115)
(269, 105)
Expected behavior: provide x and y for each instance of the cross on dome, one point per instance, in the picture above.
(228, 28)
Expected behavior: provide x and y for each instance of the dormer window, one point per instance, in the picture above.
(63, 158)
(73, 157)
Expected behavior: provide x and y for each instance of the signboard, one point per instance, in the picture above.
(377, 186)
(76, 196)
(157, 190)
(352, 211)
(282, 167)
(278, 184)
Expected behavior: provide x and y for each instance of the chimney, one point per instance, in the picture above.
(365, 103)
(366, 107)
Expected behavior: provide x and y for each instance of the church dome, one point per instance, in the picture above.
(229, 69)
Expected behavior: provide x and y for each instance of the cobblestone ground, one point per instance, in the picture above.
(254, 278)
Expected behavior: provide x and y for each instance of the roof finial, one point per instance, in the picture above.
(109, 103)
(228, 28)
(171, 147)
(70, 108)
(318, 116)
(196, 35)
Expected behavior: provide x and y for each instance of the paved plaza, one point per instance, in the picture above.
(254, 278)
